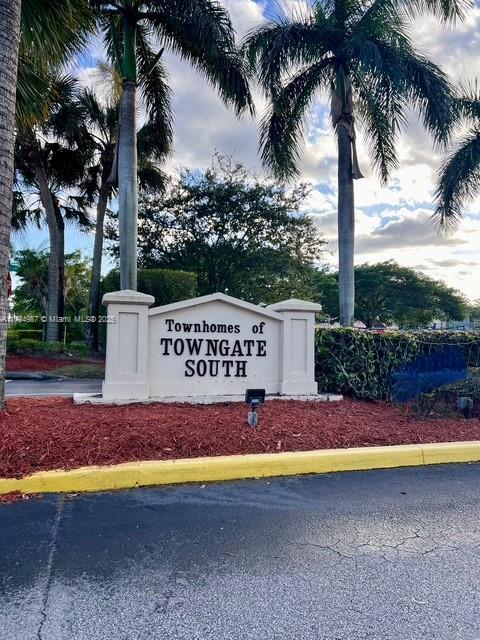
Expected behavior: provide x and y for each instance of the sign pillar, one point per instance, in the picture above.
(126, 370)
(298, 346)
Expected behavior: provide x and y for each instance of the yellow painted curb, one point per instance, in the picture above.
(260, 465)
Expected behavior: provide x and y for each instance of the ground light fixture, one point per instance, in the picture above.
(254, 397)
(465, 406)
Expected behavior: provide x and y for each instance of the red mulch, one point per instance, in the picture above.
(16, 496)
(53, 433)
(42, 363)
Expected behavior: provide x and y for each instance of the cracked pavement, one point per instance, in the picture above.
(382, 555)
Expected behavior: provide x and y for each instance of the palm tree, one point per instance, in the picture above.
(361, 53)
(458, 179)
(35, 33)
(51, 32)
(200, 32)
(51, 172)
(9, 46)
(86, 123)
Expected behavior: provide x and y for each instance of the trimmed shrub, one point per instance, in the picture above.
(79, 350)
(23, 344)
(53, 347)
(27, 345)
(362, 363)
(28, 334)
(165, 285)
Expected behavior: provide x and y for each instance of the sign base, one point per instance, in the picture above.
(92, 398)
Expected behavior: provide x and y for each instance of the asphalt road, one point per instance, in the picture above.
(32, 388)
(383, 555)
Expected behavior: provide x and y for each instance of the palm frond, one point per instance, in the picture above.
(150, 144)
(34, 94)
(458, 181)
(200, 31)
(75, 212)
(155, 91)
(66, 119)
(108, 76)
(276, 46)
(418, 80)
(446, 10)
(151, 177)
(282, 128)
(24, 215)
(382, 19)
(382, 113)
(51, 32)
(111, 26)
(432, 95)
(469, 101)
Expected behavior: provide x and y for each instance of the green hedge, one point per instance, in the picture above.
(360, 363)
(165, 285)
(28, 334)
(27, 345)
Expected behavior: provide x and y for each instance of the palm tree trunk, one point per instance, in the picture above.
(346, 228)
(51, 333)
(61, 267)
(94, 298)
(9, 41)
(127, 183)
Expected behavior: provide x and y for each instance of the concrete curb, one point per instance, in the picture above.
(160, 472)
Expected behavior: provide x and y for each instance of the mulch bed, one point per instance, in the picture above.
(16, 496)
(42, 363)
(53, 433)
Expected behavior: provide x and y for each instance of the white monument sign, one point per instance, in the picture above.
(208, 348)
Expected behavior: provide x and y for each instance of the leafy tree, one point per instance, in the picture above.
(239, 234)
(474, 312)
(475, 309)
(200, 32)
(325, 291)
(31, 295)
(388, 293)
(362, 54)
(458, 179)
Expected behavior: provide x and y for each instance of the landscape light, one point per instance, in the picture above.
(254, 397)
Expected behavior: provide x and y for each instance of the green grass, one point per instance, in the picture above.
(79, 371)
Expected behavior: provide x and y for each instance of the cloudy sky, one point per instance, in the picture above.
(393, 221)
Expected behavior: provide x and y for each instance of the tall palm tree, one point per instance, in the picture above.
(361, 53)
(49, 167)
(458, 179)
(200, 32)
(86, 123)
(9, 45)
(35, 33)
(51, 171)
(51, 32)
